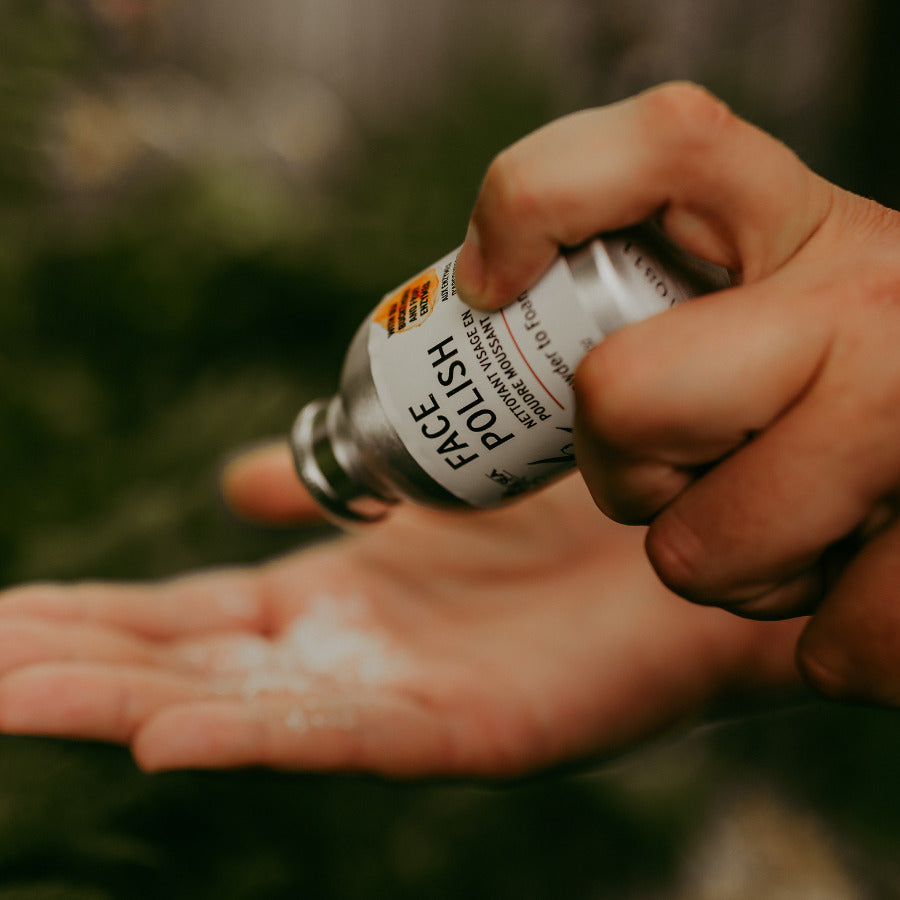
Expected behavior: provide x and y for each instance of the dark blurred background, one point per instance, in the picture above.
(199, 199)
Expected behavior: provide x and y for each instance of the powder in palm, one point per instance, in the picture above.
(329, 643)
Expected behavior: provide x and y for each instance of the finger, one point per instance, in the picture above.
(726, 191)
(195, 604)
(627, 490)
(772, 509)
(693, 383)
(87, 700)
(670, 395)
(261, 485)
(389, 736)
(799, 595)
(793, 426)
(26, 642)
(850, 649)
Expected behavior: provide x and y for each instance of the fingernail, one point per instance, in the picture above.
(470, 272)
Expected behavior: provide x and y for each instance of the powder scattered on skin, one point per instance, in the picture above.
(329, 645)
(327, 642)
(301, 719)
(296, 721)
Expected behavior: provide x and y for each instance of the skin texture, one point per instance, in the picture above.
(755, 430)
(489, 645)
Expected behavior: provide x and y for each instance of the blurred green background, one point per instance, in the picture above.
(198, 202)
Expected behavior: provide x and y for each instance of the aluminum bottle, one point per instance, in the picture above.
(445, 406)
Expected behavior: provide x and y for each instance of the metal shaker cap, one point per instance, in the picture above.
(321, 461)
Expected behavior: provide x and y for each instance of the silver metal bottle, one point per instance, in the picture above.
(367, 447)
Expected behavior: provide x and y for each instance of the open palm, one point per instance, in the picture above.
(480, 644)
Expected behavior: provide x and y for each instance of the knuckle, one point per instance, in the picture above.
(877, 287)
(634, 494)
(608, 496)
(862, 247)
(624, 510)
(686, 113)
(678, 556)
(607, 395)
(611, 507)
(506, 191)
(876, 225)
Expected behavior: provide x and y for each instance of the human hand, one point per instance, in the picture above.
(488, 644)
(756, 429)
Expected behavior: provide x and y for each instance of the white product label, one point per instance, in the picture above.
(482, 401)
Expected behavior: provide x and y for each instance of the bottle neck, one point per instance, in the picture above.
(324, 463)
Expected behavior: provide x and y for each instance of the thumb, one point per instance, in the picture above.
(260, 485)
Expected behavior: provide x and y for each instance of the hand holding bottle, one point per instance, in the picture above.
(757, 430)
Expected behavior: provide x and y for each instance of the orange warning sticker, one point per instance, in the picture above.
(410, 306)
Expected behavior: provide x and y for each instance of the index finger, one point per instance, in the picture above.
(724, 190)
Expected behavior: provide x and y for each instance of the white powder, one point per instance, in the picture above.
(300, 719)
(296, 720)
(329, 640)
(269, 681)
(330, 646)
